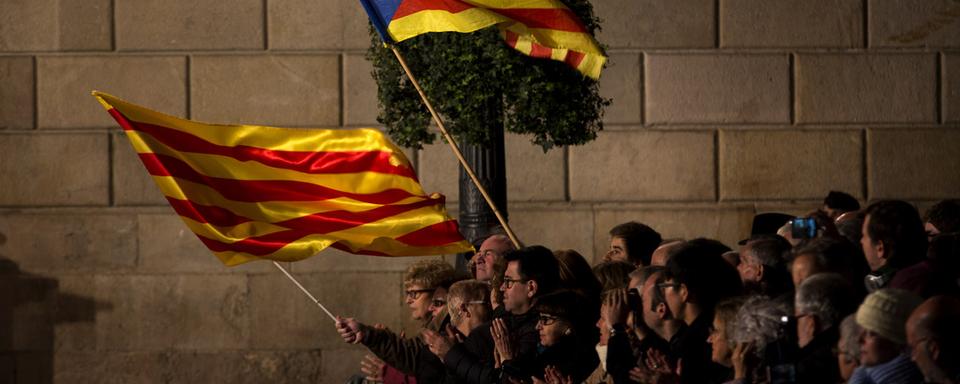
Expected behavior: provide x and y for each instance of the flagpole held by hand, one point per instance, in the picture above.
(456, 149)
(294, 280)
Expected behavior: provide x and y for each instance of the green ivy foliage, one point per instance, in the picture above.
(477, 83)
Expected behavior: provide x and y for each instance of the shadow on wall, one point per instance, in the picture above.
(30, 307)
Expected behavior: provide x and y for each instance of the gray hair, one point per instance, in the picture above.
(827, 296)
(849, 346)
(759, 321)
(465, 291)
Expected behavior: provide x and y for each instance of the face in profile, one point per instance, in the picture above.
(875, 349)
(516, 290)
(418, 300)
(719, 343)
(552, 329)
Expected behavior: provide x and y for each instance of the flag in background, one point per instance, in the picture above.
(537, 28)
(253, 192)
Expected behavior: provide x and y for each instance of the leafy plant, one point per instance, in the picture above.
(477, 83)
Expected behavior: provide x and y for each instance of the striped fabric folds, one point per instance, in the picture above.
(537, 28)
(254, 192)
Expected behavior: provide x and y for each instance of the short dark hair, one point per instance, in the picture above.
(640, 239)
(536, 263)
(708, 277)
(841, 201)
(944, 215)
(897, 224)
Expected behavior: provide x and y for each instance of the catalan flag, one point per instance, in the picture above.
(538, 28)
(253, 192)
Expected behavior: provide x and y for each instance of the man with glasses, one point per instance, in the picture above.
(822, 301)
(695, 280)
(934, 339)
(531, 272)
(422, 283)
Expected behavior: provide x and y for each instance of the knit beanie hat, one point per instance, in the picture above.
(885, 312)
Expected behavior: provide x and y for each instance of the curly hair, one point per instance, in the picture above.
(429, 274)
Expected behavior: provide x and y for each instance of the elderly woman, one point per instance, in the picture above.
(762, 346)
(848, 347)
(566, 347)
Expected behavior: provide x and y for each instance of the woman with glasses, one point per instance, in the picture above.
(566, 350)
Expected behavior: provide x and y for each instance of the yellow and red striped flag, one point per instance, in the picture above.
(254, 192)
(538, 28)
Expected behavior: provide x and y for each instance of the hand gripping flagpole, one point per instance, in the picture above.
(456, 149)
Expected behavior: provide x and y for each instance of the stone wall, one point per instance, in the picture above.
(722, 108)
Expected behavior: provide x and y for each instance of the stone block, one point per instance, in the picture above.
(167, 246)
(16, 95)
(533, 175)
(284, 318)
(784, 23)
(724, 88)
(360, 93)
(69, 242)
(293, 24)
(65, 82)
(860, 88)
(332, 260)
(951, 88)
(55, 25)
(132, 184)
(189, 25)
(644, 166)
(190, 366)
(621, 82)
(904, 23)
(913, 164)
(439, 170)
(153, 313)
(657, 23)
(727, 224)
(70, 169)
(284, 90)
(789, 164)
(76, 313)
(341, 363)
(561, 227)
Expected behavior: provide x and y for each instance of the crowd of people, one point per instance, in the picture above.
(843, 294)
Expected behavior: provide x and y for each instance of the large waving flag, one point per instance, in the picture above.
(253, 192)
(538, 28)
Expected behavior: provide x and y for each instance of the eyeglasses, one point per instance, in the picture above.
(413, 294)
(508, 282)
(477, 302)
(664, 286)
(547, 319)
(437, 303)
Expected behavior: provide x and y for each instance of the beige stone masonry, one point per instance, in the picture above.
(906, 23)
(65, 82)
(644, 166)
(17, 93)
(55, 25)
(54, 169)
(279, 90)
(656, 23)
(914, 164)
(159, 25)
(788, 23)
(792, 164)
(717, 88)
(861, 88)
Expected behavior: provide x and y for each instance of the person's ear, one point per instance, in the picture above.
(661, 310)
(465, 311)
(760, 271)
(933, 348)
(684, 293)
(532, 287)
(567, 331)
(881, 253)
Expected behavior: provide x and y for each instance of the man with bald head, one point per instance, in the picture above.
(934, 339)
(662, 254)
(491, 251)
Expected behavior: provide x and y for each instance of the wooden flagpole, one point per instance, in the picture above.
(456, 149)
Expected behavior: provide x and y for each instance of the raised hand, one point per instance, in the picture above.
(350, 330)
(438, 343)
(614, 309)
(501, 340)
(372, 368)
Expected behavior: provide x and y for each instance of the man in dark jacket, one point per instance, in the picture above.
(822, 301)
